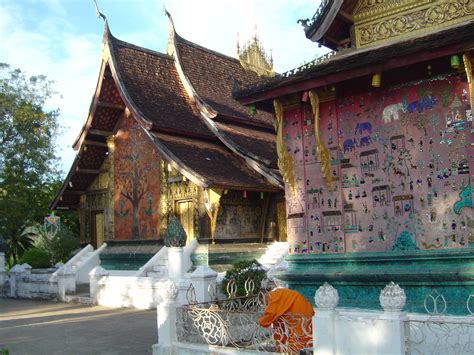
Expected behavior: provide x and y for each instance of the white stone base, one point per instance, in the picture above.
(3, 278)
(199, 349)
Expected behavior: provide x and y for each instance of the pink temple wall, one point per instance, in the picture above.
(400, 161)
(136, 184)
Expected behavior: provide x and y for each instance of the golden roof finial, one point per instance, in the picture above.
(98, 13)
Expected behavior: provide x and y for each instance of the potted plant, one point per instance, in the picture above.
(175, 239)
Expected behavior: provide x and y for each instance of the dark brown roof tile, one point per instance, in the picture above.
(216, 163)
(153, 84)
(213, 83)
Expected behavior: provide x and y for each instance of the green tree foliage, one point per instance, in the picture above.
(36, 258)
(28, 165)
(58, 246)
(62, 245)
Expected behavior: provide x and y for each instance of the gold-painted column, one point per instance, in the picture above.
(322, 152)
(468, 67)
(82, 219)
(285, 160)
(212, 199)
(110, 208)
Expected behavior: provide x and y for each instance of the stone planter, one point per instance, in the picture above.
(175, 262)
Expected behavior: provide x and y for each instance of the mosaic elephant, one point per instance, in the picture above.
(390, 112)
(365, 141)
(350, 145)
(425, 103)
(363, 126)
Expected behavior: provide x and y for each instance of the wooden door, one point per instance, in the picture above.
(185, 211)
(97, 229)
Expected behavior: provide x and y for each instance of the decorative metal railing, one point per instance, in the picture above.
(233, 322)
(439, 333)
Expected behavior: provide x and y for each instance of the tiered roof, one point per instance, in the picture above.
(183, 103)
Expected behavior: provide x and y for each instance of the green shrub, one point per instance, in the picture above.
(240, 272)
(36, 258)
(62, 245)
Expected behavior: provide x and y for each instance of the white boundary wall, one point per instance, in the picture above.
(3, 275)
(346, 331)
(124, 291)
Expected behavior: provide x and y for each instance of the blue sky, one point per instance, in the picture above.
(62, 39)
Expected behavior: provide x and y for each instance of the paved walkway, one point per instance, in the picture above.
(40, 327)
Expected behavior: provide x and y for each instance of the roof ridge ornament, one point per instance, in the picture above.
(98, 13)
(170, 47)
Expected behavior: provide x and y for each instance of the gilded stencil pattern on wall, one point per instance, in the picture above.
(238, 217)
(441, 13)
(97, 201)
(183, 190)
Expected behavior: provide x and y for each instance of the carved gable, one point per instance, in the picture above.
(376, 21)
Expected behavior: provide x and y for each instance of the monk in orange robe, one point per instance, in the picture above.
(290, 334)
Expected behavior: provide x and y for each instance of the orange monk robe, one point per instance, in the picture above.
(281, 301)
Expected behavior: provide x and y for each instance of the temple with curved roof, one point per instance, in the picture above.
(165, 136)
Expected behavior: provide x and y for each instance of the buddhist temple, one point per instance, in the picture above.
(164, 136)
(375, 145)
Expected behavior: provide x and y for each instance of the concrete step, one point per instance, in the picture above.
(159, 267)
(82, 288)
(161, 262)
(85, 300)
(155, 274)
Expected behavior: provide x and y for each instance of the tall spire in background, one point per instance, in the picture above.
(252, 56)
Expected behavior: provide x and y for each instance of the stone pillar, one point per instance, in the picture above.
(392, 299)
(66, 282)
(3, 275)
(175, 263)
(324, 320)
(202, 279)
(94, 276)
(16, 273)
(166, 319)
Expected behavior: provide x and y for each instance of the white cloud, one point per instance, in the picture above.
(215, 24)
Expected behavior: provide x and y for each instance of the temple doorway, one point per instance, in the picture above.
(97, 229)
(185, 212)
